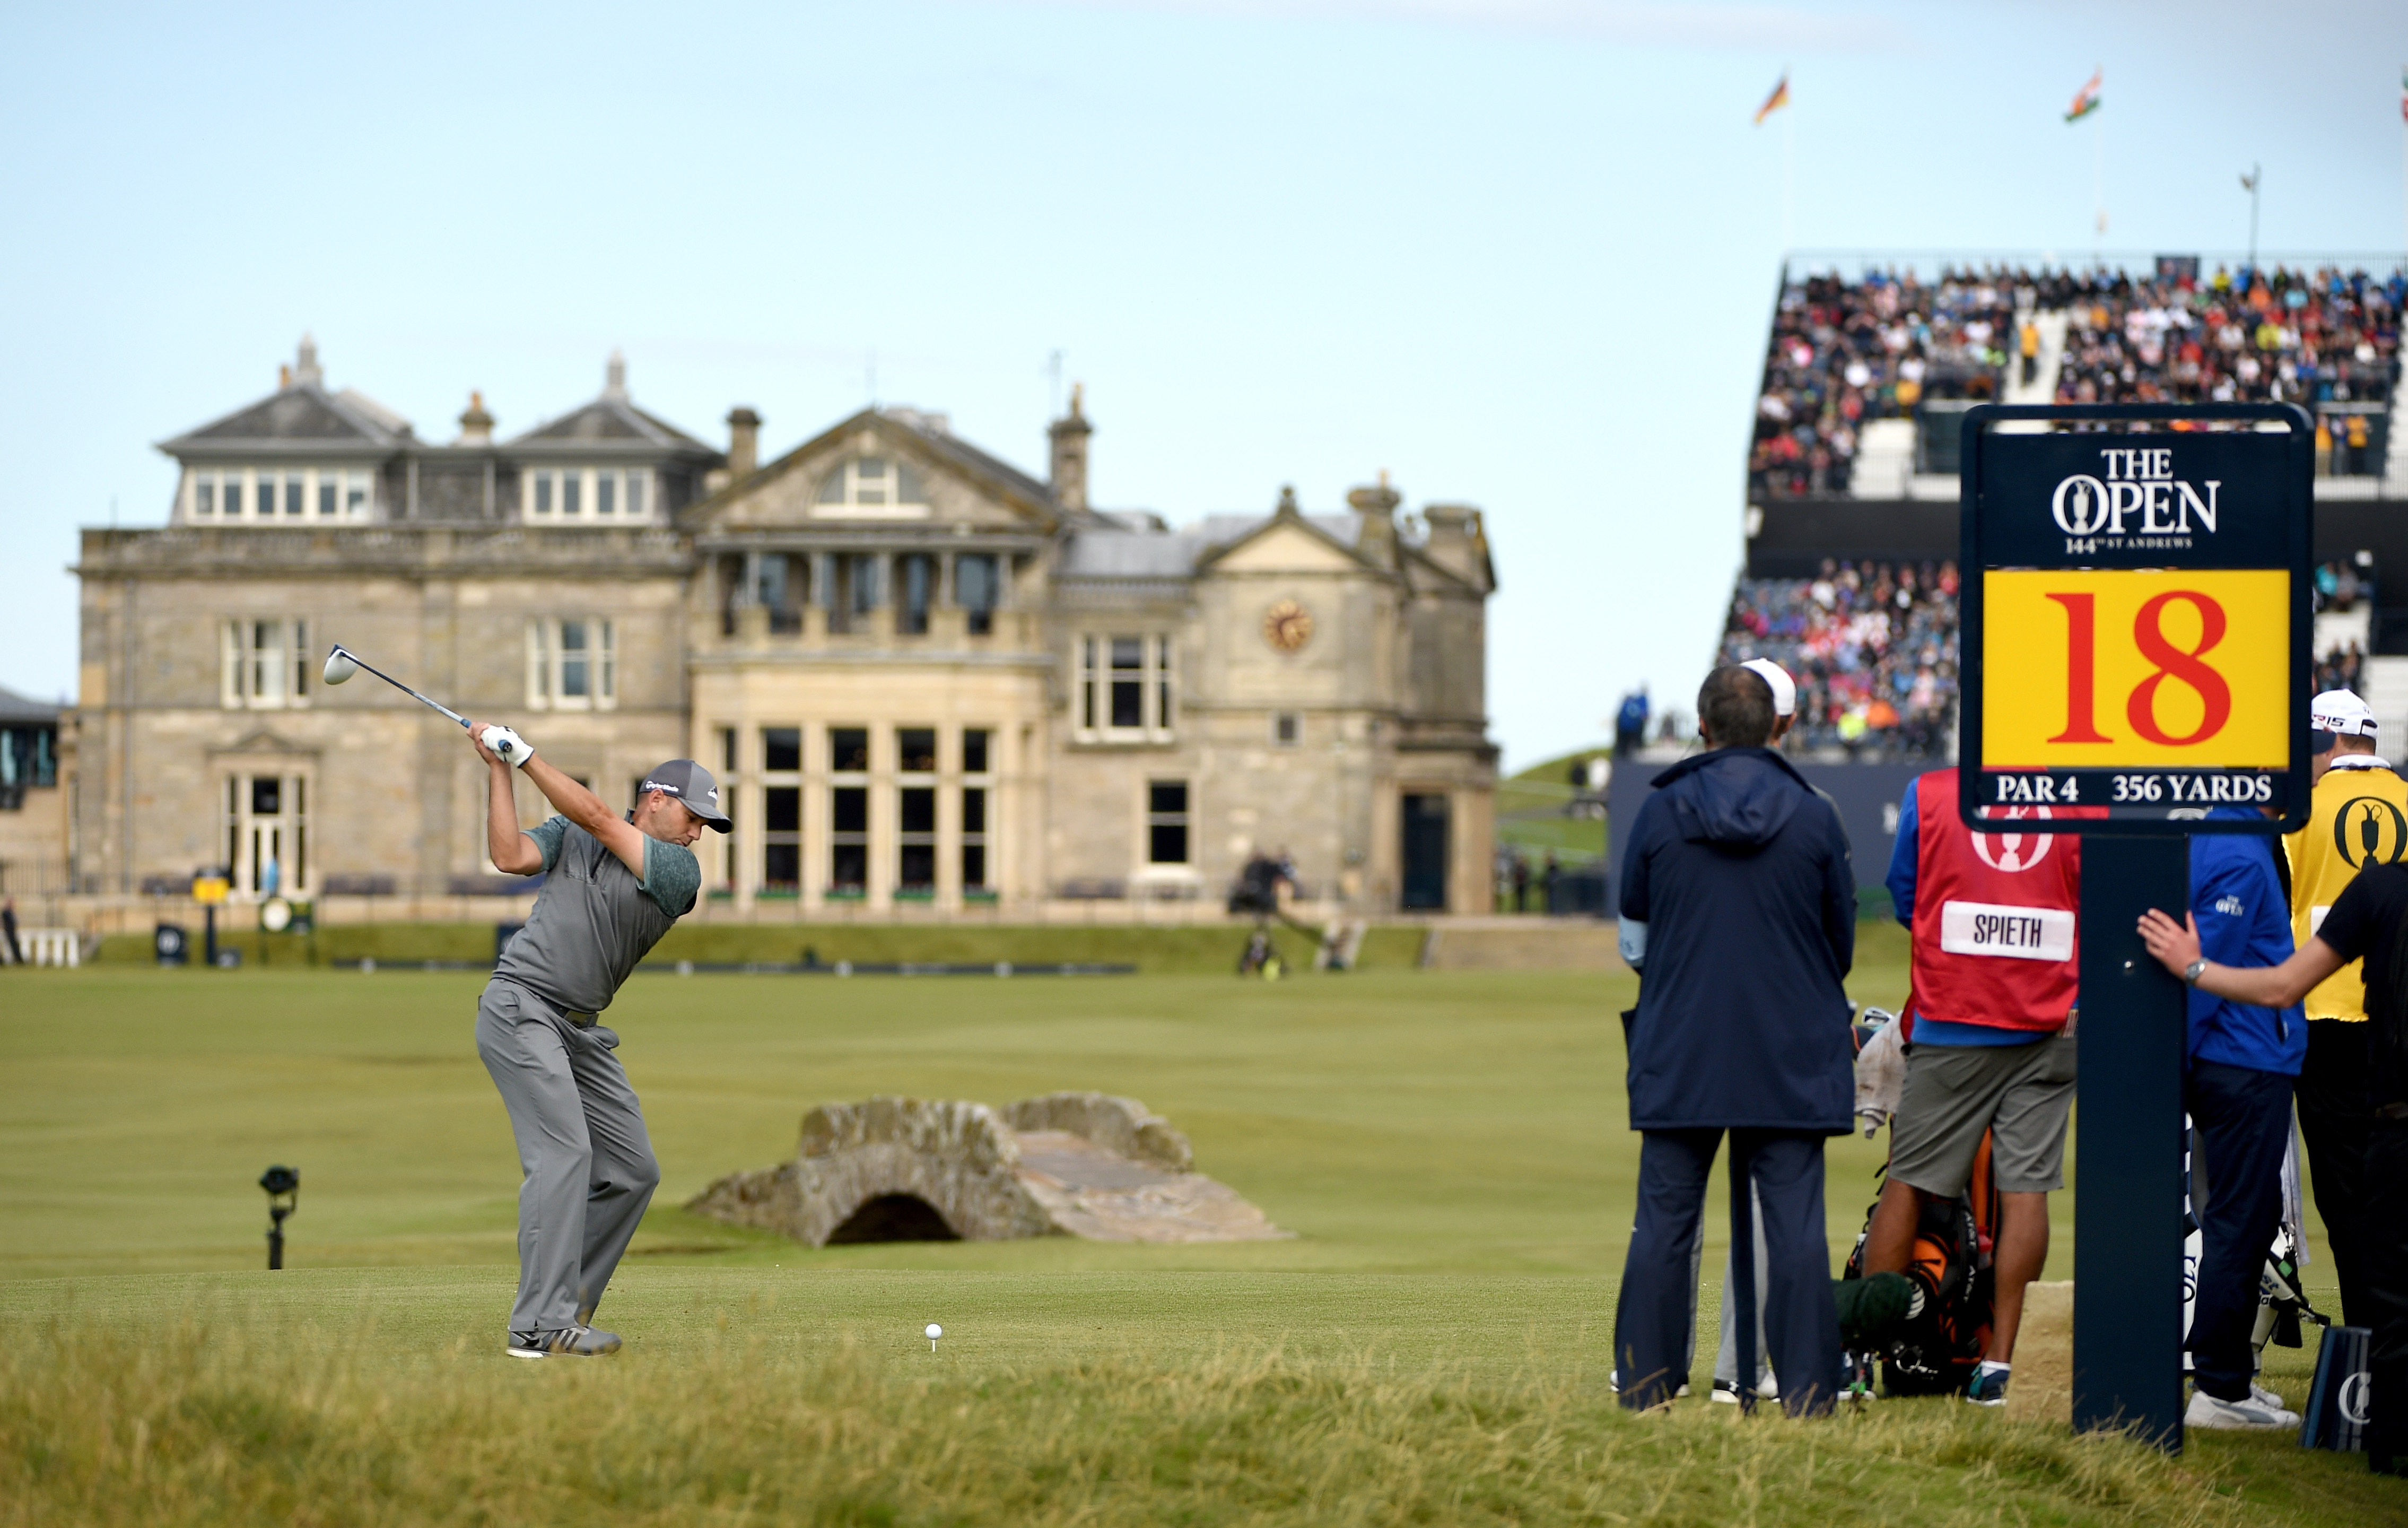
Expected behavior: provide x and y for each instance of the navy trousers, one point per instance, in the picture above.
(2243, 1118)
(2336, 1095)
(1651, 1317)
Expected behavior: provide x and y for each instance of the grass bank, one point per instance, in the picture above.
(226, 1419)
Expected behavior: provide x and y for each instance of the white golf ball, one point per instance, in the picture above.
(935, 1331)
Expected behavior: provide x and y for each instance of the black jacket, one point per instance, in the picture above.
(1740, 873)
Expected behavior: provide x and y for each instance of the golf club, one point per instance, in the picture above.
(342, 663)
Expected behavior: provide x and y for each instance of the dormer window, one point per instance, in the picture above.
(284, 495)
(588, 495)
(872, 487)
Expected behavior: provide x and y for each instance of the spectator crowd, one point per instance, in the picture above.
(1872, 648)
(1846, 352)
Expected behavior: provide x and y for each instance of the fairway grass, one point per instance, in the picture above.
(1432, 1348)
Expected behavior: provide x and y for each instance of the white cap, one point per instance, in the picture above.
(2340, 711)
(1784, 689)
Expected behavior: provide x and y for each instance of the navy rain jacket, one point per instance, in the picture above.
(1740, 873)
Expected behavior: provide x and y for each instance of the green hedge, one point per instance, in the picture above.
(1151, 950)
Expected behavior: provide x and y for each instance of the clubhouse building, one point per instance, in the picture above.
(930, 682)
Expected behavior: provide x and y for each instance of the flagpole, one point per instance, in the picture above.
(1788, 171)
(2097, 192)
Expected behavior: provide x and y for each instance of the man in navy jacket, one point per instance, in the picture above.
(2243, 1060)
(1739, 909)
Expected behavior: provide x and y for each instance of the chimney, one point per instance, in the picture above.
(1069, 433)
(614, 378)
(284, 379)
(476, 425)
(307, 372)
(1375, 510)
(743, 443)
(1457, 542)
(1287, 509)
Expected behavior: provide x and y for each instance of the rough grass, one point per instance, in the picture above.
(229, 1422)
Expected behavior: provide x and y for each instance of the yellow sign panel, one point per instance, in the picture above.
(209, 890)
(2108, 668)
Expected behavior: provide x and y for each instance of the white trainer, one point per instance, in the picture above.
(2250, 1416)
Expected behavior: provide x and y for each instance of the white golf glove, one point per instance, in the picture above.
(507, 745)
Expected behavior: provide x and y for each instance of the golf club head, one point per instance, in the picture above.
(340, 665)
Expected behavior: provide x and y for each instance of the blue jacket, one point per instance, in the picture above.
(1738, 874)
(2242, 919)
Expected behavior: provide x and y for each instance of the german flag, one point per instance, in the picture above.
(1774, 102)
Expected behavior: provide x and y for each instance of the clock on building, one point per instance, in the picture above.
(1287, 626)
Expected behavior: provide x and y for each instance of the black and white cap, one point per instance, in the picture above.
(691, 784)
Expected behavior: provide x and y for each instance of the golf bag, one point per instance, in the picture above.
(1947, 1326)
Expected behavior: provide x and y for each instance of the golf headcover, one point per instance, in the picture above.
(507, 745)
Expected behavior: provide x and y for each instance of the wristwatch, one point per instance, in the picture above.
(2191, 972)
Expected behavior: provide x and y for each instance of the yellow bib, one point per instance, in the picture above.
(2359, 817)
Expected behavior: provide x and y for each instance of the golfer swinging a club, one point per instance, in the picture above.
(616, 885)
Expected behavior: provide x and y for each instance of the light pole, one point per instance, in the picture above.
(283, 1186)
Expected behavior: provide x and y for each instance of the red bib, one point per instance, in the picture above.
(1996, 914)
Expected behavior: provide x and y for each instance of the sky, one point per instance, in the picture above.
(1518, 253)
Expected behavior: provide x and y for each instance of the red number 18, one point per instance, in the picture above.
(2172, 662)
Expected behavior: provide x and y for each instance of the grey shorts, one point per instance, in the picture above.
(2021, 1094)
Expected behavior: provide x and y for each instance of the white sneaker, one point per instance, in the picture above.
(2250, 1416)
(2265, 1397)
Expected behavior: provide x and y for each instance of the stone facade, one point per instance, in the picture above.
(927, 679)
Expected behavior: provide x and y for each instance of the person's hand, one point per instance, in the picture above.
(488, 743)
(2173, 946)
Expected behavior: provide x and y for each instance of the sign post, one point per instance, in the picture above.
(2136, 641)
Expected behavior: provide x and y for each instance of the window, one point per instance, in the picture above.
(606, 493)
(280, 495)
(727, 754)
(915, 750)
(848, 840)
(976, 741)
(779, 583)
(974, 590)
(849, 750)
(973, 838)
(871, 487)
(916, 870)
(565, 493)
(782, 838)
(572, 665)
(781, 805)
(572, 493)
(1125, 688)
(267, 833)
(635, 481)
(915, 583)
(264, 665)
(1128, 684)
(856, 591)
(542, 490)
(1166, 822)
(1287, 728)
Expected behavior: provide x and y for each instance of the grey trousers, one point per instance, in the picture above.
(582, 1144)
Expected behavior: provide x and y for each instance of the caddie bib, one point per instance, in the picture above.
(1996, 914)
(2357, 817)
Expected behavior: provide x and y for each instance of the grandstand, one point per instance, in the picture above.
(1850, 581)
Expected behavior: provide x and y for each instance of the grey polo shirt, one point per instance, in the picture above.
(593, 919)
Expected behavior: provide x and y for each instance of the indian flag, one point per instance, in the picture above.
(1774, 102)
(2086, 100)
